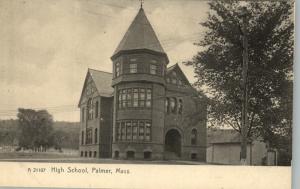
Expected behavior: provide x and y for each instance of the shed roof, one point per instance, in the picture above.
(223, 136)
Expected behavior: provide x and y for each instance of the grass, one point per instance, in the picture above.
(55, 157)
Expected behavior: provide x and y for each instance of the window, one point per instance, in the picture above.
(90, 109)
(118, 131)
(82, 137)
(137, 97)
(129, 97)
(123, 131)
(124, 95)
(180, 106)
(82, 114)
(96, 135)
(128, 130)
(194, 137)
(134, 130)
(97, 109)
(89, 134)
(117, 69)
(173, 104)
(149, 98)
(81, 154)
(167, 105)
(119, 100)
(95, 154)
(142, 98)
(90, 153)
(85, 154)
(132, 68)
(148, 131)
(141, 130)
(153, 69)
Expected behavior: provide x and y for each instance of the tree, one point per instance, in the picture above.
(218, 67)
(35, 129)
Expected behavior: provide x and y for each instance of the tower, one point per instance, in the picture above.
(139, 67)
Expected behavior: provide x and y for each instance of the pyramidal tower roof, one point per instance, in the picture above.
(140, 35)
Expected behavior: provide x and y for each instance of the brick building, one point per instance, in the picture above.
(144, 109)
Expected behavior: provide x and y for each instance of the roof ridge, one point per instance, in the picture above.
(100, 71)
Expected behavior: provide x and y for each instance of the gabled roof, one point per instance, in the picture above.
(102, 81)
(176, 68)
(140, 35)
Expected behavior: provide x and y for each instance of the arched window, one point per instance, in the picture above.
(194, 137)
(167, 104)
(180, 106)
(97, 109)
(96, 135)
(90, 109)
(173, 104)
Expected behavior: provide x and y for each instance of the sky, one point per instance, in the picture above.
(48, 45)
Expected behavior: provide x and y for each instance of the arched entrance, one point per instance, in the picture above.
(173, 144)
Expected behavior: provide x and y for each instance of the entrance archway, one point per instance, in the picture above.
(173, 142)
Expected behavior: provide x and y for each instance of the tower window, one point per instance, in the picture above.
(132, 68)
(118, 69)
(129, 97)
(149, 98)
(194, 137)
(153, 69)
(135, 97)
(133, 130)
(142, 98)
(124, 98)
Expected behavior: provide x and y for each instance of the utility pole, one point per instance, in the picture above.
(245, 121)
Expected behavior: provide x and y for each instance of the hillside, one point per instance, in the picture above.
(70, 131)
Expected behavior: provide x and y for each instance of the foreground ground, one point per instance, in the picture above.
(52, 157)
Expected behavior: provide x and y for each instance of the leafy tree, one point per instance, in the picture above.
(35, 129)
(218, 67)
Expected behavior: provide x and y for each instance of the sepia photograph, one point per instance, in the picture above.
(172, 82)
